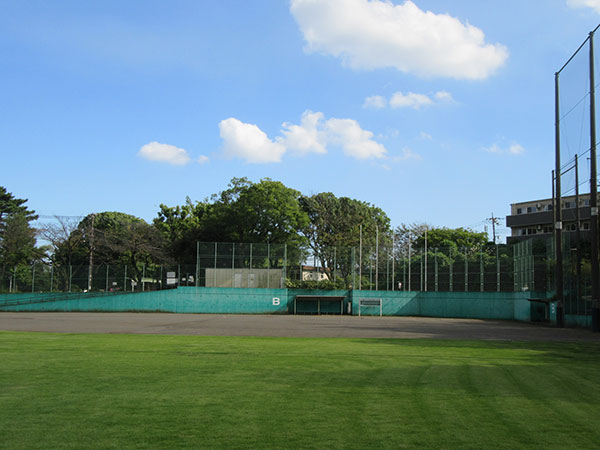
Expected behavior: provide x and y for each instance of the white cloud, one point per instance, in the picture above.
(512, 149)
(443, 96)
(425, 136)
(516, 149)
(594, 4)
(378, 34)
(408, 154)
(306, 137)
(375, 102)
(355, 141)
(248, 142)
(313, 135)
(203, 159)
(165, 153)
(409, 100)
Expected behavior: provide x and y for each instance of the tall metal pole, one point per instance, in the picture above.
(577, 234)
(409, 263)
(553, 211)
(594, 195)
(91, 265)
(558, 209)
(360, 260)
(377, 258)
(393, 258)
(425, 259)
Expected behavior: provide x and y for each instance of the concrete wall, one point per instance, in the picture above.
(479, 305)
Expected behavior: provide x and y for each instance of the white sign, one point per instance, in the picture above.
(276, 301)
(171, 275)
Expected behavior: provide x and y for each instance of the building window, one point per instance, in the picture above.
(519, 211)
(586, 202)
(586, 225)
(567, 205)
(529, 209)
(523, 232)
(549, 207)
(547, 229)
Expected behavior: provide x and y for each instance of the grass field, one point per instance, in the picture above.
(146, 391)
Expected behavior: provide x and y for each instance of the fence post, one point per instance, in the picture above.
(377, 258)
(268, 265)
(143, 276)
(106, 283)
(497, 270)
(393, 264)
(51, 276)
(435, 259)
(14, 280)
(353, 267)
(409, 266)
(33, 278)
(371, 271)
(515, 269)
(466, 271)
(197, 263)
(284, 266)
(421, 273)
(425, 263)
(70, 276)
(125, 280)
(481, 276)
(360, 260)
(451, 271)
(215, 275)
(404, 274)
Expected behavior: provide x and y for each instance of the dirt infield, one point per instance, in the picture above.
(289, 326)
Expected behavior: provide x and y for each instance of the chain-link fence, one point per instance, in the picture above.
(491, 268)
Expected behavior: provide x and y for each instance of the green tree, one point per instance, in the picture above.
(455, 238)
(17, 245)
(245, 212)
(338, 223)
(113, 238)
(267, 211)
(182, 226)
(9, 205)
(17, 237)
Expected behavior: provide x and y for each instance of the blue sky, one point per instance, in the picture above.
(435, 111)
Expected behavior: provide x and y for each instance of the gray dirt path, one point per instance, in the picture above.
(289, 326)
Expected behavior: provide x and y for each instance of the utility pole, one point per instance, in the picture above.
(91, 266)
(495, 221)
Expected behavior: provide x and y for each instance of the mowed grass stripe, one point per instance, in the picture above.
(140, 391)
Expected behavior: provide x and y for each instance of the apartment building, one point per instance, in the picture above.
(534, 219)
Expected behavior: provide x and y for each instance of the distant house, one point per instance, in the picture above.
(315, 273)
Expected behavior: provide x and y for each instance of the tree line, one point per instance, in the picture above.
(245, 212)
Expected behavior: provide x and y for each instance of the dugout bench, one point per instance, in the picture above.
(319, 304)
